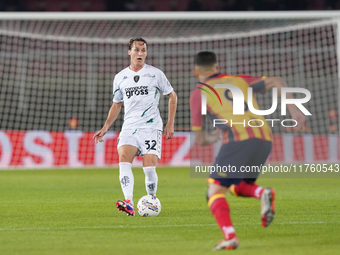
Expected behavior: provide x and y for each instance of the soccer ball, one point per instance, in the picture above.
(149, 206)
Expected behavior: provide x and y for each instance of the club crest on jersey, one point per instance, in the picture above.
(136, 78)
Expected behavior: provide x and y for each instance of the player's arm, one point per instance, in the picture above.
(205, 139)
(279, 83)
(169, 128)
(202, 138)
(112, 116)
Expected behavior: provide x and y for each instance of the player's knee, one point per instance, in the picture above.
(216, 189)
(127, 153)
(124, 158)
(150, 160)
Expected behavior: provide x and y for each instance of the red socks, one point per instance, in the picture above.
(220, 209)
(246, 190)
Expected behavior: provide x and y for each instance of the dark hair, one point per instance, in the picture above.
(138, 40)
(205, 58)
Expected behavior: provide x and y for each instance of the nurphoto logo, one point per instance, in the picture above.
(239, 104)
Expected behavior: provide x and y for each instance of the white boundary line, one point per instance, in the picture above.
(160, 226)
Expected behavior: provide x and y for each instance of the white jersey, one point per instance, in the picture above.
(140, 92)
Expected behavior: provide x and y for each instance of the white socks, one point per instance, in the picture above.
(126, 180)
(151, 180)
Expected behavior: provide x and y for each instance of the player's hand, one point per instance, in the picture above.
(98, 137)
(298, 116)
(169, 131)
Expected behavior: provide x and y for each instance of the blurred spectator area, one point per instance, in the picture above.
(167, 5)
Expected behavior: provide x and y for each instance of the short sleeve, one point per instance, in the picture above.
(195, 109)
(117, 93)
(163, 84)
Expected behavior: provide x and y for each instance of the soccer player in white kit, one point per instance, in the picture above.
(139, 87)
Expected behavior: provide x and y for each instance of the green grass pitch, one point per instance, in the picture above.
(73, 212)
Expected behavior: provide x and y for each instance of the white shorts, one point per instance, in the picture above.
(147, 141)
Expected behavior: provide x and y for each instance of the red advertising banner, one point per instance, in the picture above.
(45, 149)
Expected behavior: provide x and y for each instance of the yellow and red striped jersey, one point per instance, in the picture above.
(223, 108)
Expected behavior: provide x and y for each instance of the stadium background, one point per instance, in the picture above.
(56, 77)
(55, 91)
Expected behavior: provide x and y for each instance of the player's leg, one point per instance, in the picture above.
(151, 143)
(267, 197)
(127, 150)
(126, 155)
(151, 177)
(255, 159)
(231, 154)
(219, 207)
(248, 188)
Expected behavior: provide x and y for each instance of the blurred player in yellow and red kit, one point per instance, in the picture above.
(243, 144)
